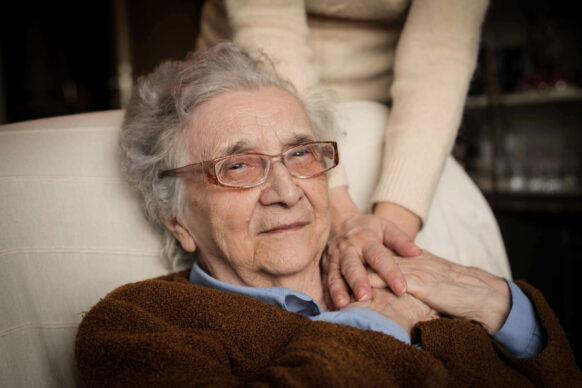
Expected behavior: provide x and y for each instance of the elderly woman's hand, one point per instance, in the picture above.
(463, 292)
(405, 310)
(359, 240)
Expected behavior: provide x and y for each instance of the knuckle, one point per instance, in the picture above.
(352, 270)
(334, 279)
(332, 252)
(377, 256)
(376, 259)
(351, 257)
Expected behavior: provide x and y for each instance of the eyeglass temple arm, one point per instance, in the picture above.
(194, 172)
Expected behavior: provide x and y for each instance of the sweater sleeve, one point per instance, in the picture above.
(555, 364)
(462, 345)
(434, 62)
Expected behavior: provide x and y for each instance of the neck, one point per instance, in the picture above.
(307, 281)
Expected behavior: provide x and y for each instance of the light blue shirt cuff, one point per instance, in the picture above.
(366, 319)
(521, 334)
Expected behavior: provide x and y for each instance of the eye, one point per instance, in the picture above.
(300, 152)
(240, 168)
(241, 161)
(236, 166)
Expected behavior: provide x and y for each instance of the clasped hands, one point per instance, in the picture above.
(392, 276)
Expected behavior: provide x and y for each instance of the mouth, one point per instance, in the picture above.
(294, 226)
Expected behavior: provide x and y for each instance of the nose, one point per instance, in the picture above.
(280, 187)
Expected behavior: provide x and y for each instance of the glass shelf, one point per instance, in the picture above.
(541, 96)
(563, 203)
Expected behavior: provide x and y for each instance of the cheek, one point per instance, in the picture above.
(198, 218)
(320, 195)
(317, 194)
(230, 216)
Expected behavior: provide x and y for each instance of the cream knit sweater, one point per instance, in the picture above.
(418, 54)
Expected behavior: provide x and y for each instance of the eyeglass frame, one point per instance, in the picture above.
(209, 171)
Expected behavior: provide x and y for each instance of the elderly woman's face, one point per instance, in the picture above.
(273, 230)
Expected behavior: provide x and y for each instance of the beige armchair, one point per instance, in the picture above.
(71, 230)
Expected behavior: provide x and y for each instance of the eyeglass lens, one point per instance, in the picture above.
(302, 161)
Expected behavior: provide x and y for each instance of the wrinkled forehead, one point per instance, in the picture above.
(265, 120)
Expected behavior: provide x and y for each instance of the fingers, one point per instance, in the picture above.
(355, 275)
(399, 241)
(336, 286)
(375, 280)
(382, 261)
(366, 239)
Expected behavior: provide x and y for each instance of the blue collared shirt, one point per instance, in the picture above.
(520, 334)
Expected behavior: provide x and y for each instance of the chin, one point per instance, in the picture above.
(286, 261)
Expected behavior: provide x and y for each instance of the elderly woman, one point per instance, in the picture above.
(230, 164)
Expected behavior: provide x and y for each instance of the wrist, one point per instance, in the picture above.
(403, 218)
(496, 308)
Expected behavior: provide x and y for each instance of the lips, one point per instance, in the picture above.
(285, 228)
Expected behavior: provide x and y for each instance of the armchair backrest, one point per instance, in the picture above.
(70, 231)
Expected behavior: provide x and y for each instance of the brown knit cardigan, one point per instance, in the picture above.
(170, 332)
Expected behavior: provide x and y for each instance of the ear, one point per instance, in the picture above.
(181, 233)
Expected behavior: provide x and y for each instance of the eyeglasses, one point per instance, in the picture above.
(250, 169)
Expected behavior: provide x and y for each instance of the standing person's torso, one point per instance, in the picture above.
(352, 42)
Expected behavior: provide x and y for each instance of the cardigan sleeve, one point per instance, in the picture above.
(464, 346)
(434, 62)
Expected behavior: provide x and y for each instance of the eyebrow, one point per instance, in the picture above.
(300, 139)
(245, 146)
(237, 148)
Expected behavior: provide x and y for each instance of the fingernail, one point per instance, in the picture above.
(415, 247)
(361, 293)
(340, 301)
(399, 286)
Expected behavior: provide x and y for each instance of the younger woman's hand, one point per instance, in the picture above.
(359, 241)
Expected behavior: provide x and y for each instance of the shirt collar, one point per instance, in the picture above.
(285, 298)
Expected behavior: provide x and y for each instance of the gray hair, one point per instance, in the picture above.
(153, 134)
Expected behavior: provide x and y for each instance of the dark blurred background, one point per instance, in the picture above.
(520, 138)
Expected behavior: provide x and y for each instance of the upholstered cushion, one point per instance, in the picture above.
(71, 231)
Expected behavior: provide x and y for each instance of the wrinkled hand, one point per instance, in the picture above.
(405, 310)
(463, 292)
(361, 240)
